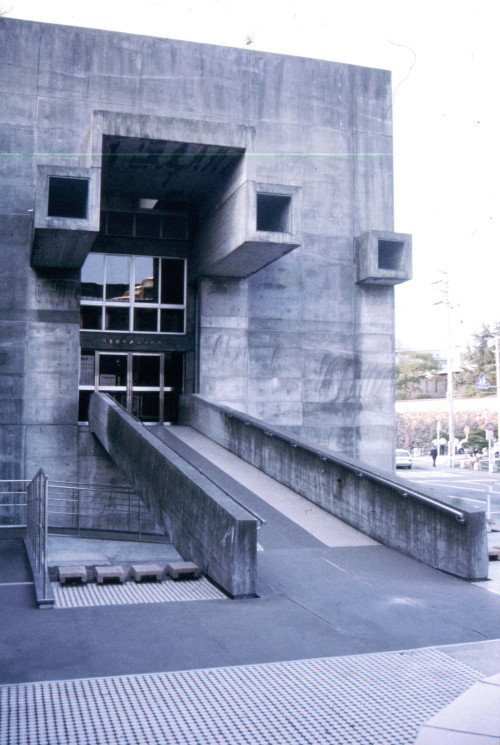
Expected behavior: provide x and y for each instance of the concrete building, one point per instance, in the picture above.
(185, 218)
(178, 218)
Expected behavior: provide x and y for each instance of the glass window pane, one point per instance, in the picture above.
(87, 368)
(83, 405)
(172, 321)
(146, 279)
(174, 227)
(146, 406)
(120, 223)
(92, 278)
(118, 278)
(147, 225)
(91, 317)
(146, 319)
(117, 319)
(172, 281)
(121, 398)
(146, 371)
(170, 406)
(112, 370)
(173, 370)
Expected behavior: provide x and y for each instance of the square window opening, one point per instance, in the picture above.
(273, 213)
(68, 197)
(390, 254)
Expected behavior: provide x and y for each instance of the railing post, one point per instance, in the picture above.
(78, 511)
(45, 529)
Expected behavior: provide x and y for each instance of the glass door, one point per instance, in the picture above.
(147, 377)
(113, 375)
(146, 384)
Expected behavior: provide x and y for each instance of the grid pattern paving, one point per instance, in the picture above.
(361, 700)
(321, 524)
(81, 596)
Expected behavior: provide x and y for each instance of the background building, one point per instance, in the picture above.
(178, 217)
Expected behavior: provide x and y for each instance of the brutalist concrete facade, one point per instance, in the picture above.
(281, 168)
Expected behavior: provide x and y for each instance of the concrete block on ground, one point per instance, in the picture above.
(109, 574)
(183, 570)
(72, 574)
(145, 572)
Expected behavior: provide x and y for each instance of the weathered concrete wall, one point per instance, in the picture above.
(297, 344)
(203, 523)
(369, 499)
(52, 358)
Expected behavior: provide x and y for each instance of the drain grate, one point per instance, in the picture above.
(361, 700)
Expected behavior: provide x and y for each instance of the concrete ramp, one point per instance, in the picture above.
(410, 519)
(200, 519)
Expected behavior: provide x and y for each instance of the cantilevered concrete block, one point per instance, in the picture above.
(66, 216)
(383, 257)
(257, 224)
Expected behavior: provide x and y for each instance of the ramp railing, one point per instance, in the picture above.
(83, 509)
(13, 503)
(37, 498)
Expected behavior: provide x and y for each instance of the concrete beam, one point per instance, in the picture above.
(203, 523)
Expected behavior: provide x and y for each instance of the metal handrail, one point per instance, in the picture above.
(127, 507)
(16, 504)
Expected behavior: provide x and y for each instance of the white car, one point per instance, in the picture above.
(403, 459)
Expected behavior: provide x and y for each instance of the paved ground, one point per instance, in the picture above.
(348, 642)
(470, 488)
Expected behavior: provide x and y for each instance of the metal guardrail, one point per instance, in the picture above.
(36, 536)
(13, 502)
(73, 506)
(41, 504)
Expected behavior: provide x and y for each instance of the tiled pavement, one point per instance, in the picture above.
(361, 700)
(128, 593)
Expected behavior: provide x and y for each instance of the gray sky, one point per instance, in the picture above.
(444, 56)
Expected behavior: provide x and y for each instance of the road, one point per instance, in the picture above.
(466, 488)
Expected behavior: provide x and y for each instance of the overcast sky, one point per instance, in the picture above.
(444, 57)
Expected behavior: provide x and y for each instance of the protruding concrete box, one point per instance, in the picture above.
(383, 257)
(256, 225)
(66, 216)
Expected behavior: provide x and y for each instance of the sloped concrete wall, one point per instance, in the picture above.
(371, 500)
(203, 523)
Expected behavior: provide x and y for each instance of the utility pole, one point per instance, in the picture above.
(445, 291)
(497, 367)
(449, 377)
